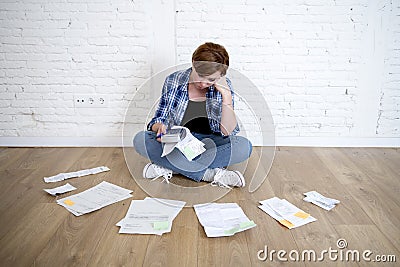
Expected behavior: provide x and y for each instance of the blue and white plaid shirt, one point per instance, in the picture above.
(175, 98)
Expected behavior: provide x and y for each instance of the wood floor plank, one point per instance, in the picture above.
(381, 209)
(27, 238)
(120, 249)
(76, 240)
(266, 236)
(39, 157)
(344, 169)
(8, 179)
(12, 157)
(380, 168)
(27, 185)
(365, 237)
(166, 251)
(256, 168)
(380, 206)
(186, 226)
(308, 172)
(364, 180)
(224, 251)
(302, 176)
(19, 200)
(268, 232)
(116, 249)
(47, 164)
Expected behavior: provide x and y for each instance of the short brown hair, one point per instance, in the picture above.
(210, 52)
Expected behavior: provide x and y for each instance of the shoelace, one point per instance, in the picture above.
(166, 174)
(218, 176)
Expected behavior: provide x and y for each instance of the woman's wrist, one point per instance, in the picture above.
(227, 99)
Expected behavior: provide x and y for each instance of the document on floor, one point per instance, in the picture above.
(320, 200)
(150, 216)
(285, 212)
(60, 190)
(222, 219)
(68, 175)
(94, 198)
(189, 145)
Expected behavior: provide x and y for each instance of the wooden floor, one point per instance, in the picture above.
(35, 231)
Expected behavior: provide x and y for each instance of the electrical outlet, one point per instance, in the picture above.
(90, 101)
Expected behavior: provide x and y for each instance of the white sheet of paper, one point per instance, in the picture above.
(143, 223)
(94, 198)
(143, 214)
(222, 219)
(285, 212)
(68, 175)
(320, 200)
(173, 206)
(84, 173)
(190, 146)
(140, 218)
(60, 190)
(55, 178)
(99, 169)
(167, 148)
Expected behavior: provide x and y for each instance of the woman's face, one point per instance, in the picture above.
(202, 82)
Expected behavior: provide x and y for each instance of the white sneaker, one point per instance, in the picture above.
(225, 178)
(153, 171)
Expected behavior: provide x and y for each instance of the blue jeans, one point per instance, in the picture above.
(220, 152)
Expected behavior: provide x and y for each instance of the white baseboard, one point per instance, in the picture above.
(339, 141)
(280, 141)
(61, 141)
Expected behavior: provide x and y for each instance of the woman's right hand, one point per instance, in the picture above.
(159, 129)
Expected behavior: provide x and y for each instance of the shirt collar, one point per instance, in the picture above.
(184, 80)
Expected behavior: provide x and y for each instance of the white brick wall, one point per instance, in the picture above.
(319, 63)
(388, 122)
(305, 57)
(53, 50)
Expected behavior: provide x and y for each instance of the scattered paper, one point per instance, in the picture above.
(321, 201)
(94, 198)
(222, 219)
(60, 190)
(190, 146)
(68, 175)
(150, 216)
(285, 212)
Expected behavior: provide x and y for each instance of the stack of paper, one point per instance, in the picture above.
(173, 135)
(60, 190)
(150, 216)
(95, 198)
(321, 201)
(189, 145)
(285, 212)
(222, 219)
(68, 175)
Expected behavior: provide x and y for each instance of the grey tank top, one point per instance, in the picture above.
(195, 118)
